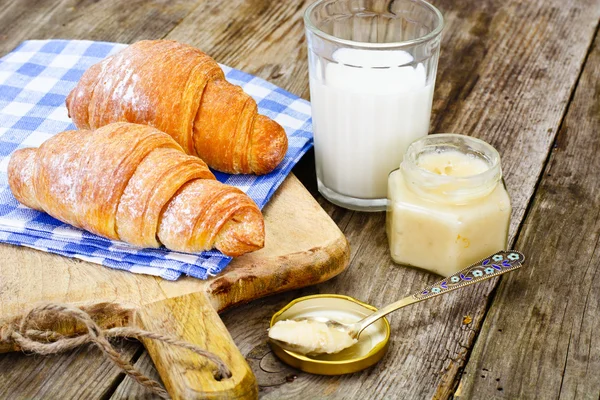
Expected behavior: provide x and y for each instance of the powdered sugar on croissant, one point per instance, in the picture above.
(134, 183)
(183, 92)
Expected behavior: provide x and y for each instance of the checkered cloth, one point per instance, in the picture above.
(34, 81)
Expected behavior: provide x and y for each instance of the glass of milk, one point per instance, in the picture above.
(372, 67)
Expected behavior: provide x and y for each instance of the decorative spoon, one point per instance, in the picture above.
(317, 335)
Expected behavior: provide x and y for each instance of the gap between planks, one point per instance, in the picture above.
(573, 127)
(529, 208)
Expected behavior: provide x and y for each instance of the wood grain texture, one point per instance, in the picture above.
(185, 374)
(506, 74)
(106, 20)
(128, 389)
(19, 20)
(507, 70)
(83, 373)
(540, 338)
(264, 38)
(499, 62)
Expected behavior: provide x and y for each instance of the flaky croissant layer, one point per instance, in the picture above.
(134, 183)
(183, 92)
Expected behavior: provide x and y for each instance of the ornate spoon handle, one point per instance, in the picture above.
(494, 265)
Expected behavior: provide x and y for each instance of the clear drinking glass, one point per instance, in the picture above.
(372, 66)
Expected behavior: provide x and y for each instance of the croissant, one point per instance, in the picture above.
(183, 92)
(134, 183)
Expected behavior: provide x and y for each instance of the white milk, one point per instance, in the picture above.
(365, 118)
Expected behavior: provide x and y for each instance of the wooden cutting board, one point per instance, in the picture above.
(303, 247)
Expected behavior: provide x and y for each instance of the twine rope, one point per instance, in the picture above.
(45, 342)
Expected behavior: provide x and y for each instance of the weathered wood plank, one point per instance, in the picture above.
(130, 389)
(540, 339)
(83, 373)
(107, 20)
(20, 19)
(264, 38)
(506, 73)
(499, 62)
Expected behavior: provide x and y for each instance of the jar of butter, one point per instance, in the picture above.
(447, 204)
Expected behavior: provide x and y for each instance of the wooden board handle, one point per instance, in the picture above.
(186, 374)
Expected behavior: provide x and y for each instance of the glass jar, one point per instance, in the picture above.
(447, 204)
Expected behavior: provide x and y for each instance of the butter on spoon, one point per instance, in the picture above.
(319, 335)
(311, 336)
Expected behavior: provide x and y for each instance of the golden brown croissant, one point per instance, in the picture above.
(183, 92)
(134, 183)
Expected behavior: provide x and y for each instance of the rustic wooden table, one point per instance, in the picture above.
(524, 76)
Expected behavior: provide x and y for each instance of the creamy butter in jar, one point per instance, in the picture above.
(447, 204)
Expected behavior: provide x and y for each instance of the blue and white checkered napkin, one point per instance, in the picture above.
(34, 82)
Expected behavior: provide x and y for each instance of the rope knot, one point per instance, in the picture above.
(6, 333)
(25, 334)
